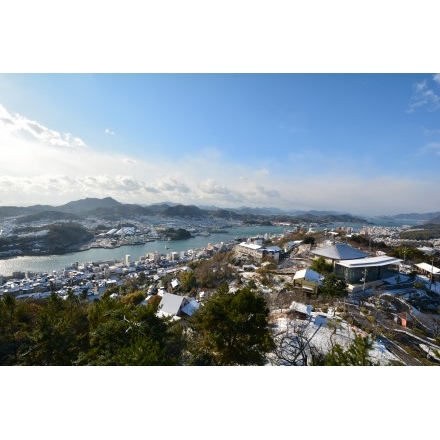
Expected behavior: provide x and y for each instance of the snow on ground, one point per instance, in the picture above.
(326, 329)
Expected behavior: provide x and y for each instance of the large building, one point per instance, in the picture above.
(258, 251)
(356, 266)
(339, 251)
(368, 269)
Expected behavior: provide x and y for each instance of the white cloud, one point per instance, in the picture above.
(129, 161)
(425, 94)
(109, 132)
(28, 129)
(33, 171)
(211, 187)
(432, 147)
(262, 173)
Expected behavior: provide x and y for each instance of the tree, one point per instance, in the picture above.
(128, 334)
(8, 325)
(321, 266)
(141, 278)
(309, 240)
(135, 297)
(187, 280)
(230, 329)
(357, 354)
(333, 286)
(294, 345)
(213, 271)
(60, 332)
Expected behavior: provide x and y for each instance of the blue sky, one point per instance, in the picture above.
(360, 143)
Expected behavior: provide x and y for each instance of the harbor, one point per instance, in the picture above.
(50, 263)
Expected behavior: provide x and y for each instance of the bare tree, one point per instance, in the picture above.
(294, 345)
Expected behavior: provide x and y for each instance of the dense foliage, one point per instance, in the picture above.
(421, 234)
(230, 329)
(177, 234)
(321, 266)
(333, 286)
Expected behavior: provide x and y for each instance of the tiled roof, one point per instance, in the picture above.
(340, 251)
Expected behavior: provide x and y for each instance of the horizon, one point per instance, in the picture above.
(292, 212)
(291, 141)
(77, 136)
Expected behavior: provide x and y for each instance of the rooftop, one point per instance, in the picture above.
(429, 268)
(340, 251)
(383, 260)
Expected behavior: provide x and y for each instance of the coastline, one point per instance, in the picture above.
(90, 252)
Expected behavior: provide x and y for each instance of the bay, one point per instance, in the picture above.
(50, 263)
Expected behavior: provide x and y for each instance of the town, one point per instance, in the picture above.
(323, 285)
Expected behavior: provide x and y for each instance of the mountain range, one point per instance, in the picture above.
(109, 208)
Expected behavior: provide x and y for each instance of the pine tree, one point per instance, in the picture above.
(230, 329)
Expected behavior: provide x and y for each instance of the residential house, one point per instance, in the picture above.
(308, 280)
(176, 306)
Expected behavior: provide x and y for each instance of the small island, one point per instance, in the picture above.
(176, 234)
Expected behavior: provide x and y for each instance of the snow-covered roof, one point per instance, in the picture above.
(273, 248)
(302, 308)
(426, 250)
(429, 268)
(170, 304)
(340, 251)
(191, 307)
(383, 260)
(126, 230)
(253, 246)
(307, 274)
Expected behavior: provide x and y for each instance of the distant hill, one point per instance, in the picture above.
(110, 209)
(436, 220)
(184, 211)
(322, 213)
(323, 219)
(47, 215)
(12, 211)
(276, 211)
(416, 216)
(244, 210)
(224, 214)
(88, 204)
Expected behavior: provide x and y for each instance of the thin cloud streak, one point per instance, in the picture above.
(425, 94)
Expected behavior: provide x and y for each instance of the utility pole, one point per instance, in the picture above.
(432, 274)
(365, 279)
